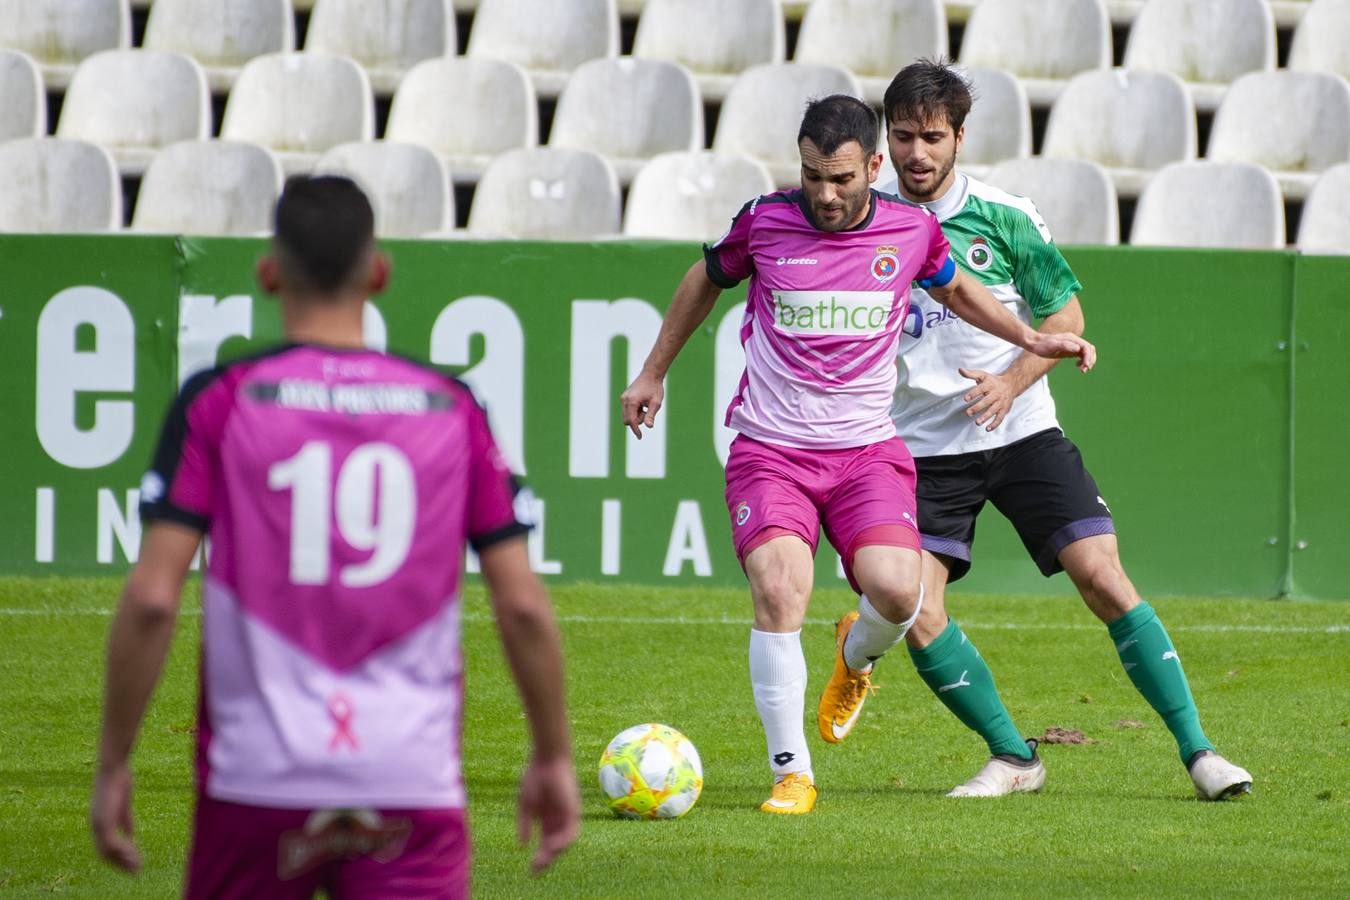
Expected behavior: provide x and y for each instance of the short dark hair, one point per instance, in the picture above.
(324, 228)
(926, 90)
(830, 122)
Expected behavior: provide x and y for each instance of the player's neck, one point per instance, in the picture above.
(862, 214)
(335, 323)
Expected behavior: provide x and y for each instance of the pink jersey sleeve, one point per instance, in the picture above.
(178, 486)
(492, 487)
(938, 268)
(729, 261)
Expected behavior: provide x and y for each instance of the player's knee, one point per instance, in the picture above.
(896, 597)
(780, 597)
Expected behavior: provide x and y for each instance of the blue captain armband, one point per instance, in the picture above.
(943, 276)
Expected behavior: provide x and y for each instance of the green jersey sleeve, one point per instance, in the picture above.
(1040, 272)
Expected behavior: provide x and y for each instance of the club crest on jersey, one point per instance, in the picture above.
(886, 265)
(978, 255)
(742, 513)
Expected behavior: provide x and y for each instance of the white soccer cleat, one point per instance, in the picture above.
(1216, 778)
(1004, 775)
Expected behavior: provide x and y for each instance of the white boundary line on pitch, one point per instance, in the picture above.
(745, 622)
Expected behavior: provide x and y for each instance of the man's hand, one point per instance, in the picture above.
(1063, 346)
(110, 817)
(549, 795)
(641, 402)
(991, 398)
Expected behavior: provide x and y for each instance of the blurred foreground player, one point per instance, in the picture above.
(830, 267)
(978, 416)
(338, 487)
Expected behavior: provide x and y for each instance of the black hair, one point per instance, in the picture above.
(927, 90)
(324, 228)
(830, 122)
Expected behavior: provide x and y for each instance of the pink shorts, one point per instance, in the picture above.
(862, 495)
(252, 851)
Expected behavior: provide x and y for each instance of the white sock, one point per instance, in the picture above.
(778, 676)
(873, 634)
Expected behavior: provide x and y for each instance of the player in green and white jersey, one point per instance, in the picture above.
(978, 416)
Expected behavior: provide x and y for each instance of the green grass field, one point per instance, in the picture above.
(1117, 816)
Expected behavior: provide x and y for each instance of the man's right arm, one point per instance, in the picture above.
(694, 299)
(529, 632)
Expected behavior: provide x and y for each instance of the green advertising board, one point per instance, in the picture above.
(1190, 422)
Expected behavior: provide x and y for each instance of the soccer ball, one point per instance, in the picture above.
(651, 772)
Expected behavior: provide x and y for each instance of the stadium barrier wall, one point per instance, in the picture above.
(1214, 422)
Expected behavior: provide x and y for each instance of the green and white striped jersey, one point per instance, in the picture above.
(1002, 240)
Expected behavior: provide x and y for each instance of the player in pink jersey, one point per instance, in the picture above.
(830, 267)
(339, 488)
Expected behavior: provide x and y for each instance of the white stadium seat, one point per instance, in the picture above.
(23, 99)
(134, 102)
(1322, 39)
(51, 185)
(1205, 43)
(692, 196)
(60, 33)
(299, 105)
(1042, 42)
(715, 39)
(1074, 196)
(387, 38)
(628, 110)
(763, 113)
(1131, 122)
(407, 185)
(222, 35)
(466, 110)
(999, 124)
(1294, 123)
(547, 194)
(209, 188)
(1210, 204)
(1325, 227)
(873, 39)
(548, 40)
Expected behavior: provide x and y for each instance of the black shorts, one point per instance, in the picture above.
(1038, 483)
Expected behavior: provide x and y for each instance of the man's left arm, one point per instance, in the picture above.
(138, 643)
(973, 302)
(993, 394)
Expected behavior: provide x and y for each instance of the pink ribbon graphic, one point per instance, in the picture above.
(340, 708)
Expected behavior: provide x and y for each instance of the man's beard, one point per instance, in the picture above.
(849, 212)
(934, 184)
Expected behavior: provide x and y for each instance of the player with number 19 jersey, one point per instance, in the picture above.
(337, 489)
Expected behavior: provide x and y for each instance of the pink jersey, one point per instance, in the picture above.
(337, 489)
(823, 316)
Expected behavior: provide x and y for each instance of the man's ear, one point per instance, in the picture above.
(379, 273)
(960, 138)
(269, 277)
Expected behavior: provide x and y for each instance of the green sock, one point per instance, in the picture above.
(1152, 663)
(954, 671)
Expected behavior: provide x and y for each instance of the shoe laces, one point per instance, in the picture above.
(856, 687)
(793, 787)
